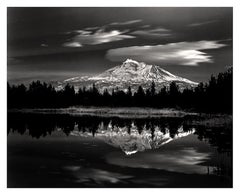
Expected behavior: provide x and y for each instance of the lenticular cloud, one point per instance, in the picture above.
(181, 53)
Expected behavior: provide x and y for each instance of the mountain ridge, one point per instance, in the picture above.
(130, 73)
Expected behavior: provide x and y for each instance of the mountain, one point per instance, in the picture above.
(130, 73)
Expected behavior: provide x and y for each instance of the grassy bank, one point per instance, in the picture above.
(107, 111)
(192, 118)
(211, 120)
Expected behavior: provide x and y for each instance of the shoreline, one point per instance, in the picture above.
(196, 118)
(110, 111)
(191, 118)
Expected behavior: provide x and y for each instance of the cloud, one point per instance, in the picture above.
(146, 26)
(153, 32)
(44, 45)
(129, 22)
(202, 23)
(125, 23)
(99, 37)
(181, 53)
(109, 33)
(92, 28)
(83, 32)
(72, 44)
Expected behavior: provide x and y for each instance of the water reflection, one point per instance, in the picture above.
(88, 175)
(130, 134)
(131, 141)
(96, 151)
(180, 160)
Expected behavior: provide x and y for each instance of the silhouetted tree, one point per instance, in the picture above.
(214, 96)
(173, 94)
(129, 92)
(153, 90)
(139, 96)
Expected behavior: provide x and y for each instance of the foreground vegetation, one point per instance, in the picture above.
(214, 96)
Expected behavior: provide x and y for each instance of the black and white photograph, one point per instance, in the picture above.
(119, 97)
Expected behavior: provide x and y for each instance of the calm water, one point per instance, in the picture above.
(84, 151)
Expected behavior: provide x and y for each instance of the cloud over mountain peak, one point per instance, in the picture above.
(180, 53)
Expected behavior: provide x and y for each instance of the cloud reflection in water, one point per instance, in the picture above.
(85, 175)
(186, 160)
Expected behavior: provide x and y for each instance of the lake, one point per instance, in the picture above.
(62, 150)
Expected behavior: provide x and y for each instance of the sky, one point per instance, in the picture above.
(59, 43)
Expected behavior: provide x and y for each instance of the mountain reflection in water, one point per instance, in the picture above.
(131, 141)
(96, 151)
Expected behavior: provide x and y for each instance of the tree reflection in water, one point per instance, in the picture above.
(41, 125)
(138, 134)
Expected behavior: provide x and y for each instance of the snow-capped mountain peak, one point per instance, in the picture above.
(132, 70)
(132, 64)
(131, 73)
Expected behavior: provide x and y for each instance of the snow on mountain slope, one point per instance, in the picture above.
(131, 73)
(132, 70)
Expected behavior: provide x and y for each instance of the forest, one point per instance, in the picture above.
(215, 96)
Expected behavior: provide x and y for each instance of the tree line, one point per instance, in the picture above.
(41, 125)
(214, 96)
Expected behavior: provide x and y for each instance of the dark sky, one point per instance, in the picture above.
(58, 43)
